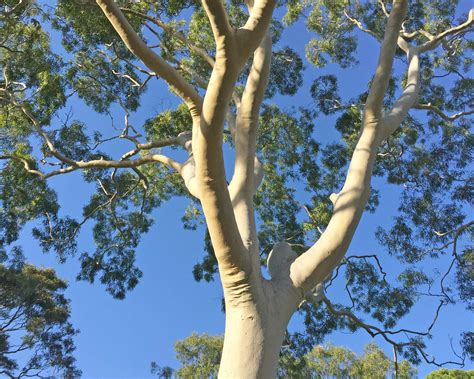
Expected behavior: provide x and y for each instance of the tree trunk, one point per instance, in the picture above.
(255, 331)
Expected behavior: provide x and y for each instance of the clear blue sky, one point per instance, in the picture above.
(121, 338)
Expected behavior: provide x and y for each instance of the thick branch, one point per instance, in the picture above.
(217, 16)
(247, 166)
(315, 264)
(394, 118)
(154, 62)
(211, 179)
(251, 34)
(373, 106)
(247, 119)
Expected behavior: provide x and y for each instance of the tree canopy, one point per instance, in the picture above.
(444, 373)
(199, 356)
(106, 55)
(34, 318)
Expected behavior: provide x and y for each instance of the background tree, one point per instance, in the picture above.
(444, 373)
(301, 229)
(35, 333)
(199, 356)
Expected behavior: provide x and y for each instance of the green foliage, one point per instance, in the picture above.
(199, 355)
(444, 373)
(34, 319)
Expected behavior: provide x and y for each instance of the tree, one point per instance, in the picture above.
(199, 356)
(444, 373)
(113, 50)
(34, 318)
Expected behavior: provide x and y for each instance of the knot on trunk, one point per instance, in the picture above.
(280, 259)
(316, 295)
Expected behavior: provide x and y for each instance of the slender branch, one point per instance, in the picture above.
(384, 8)
(360, 26)
(440, 113)
(175, 33)
(375, 331)
(13, 9)
(97, 163)
(26, 163)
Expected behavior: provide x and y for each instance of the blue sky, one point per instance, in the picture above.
(121, 338)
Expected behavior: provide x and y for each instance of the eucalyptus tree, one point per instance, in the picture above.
(217, 59)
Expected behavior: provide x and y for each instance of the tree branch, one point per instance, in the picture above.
(154, 62)
(247, 167)
(360, 26)
(435, 41)
(247, 119)
(217, 16)
(441, 114)
(383, 72)
(251, 34)
(375, 331)
(408, 98)
(315, 264)
(177, 34)
(231, 254)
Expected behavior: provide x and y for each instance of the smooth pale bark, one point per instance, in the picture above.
(255, 330)
(247, 168)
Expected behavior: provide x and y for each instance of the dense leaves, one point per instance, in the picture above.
(444, 373)
(34, 319)
(199, 356)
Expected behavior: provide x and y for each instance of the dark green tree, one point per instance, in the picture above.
(34, 323)
(291, 202)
